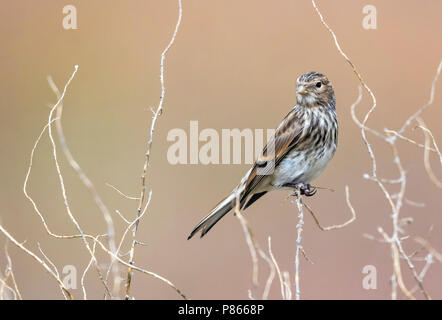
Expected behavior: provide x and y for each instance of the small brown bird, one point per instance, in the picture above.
(303, 144)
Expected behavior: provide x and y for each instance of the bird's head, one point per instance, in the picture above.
(314, 89)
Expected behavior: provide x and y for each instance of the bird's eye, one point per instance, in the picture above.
(318, 84)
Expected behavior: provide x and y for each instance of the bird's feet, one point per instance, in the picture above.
(304, 189)
(307, 190)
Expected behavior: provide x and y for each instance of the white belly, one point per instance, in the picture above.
(299, 167)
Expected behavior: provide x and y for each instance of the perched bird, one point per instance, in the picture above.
(302, 146)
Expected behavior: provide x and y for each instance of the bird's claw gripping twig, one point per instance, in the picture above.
(303, 189)
(307, 190)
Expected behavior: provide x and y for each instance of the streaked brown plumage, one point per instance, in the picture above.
(303, 144)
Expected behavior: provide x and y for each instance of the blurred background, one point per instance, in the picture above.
(234, 65)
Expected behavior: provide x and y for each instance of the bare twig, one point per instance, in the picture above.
(52, 265)
(395, 200)
(396, 266)
(414, 203)
(271, 276)
(357, 121)
(413, 270)
(336, 226)
(62, 185)
(134, 267)
(129, 227)
(91, 261)
(429, 248)
(278, 271)
(287, 285)
(427, 164)
(249, 239)
(5, 285)
(370, 111)
(425, 106)
(121, 216)
(299, 248)
(121, 193)
(408, 139)
(436, 148)
(82, 175)
(10, 272)
(157, 113)
(34, 205)
(40, 261)
(48, 126)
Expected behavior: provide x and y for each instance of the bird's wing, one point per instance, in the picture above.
(286, 137)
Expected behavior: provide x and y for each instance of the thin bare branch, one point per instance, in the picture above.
(408, 139)
(336, 226)
(436, 148)
(278, 271)
(436, 254)
(157, 113)
(91, 261)
(287, 285)
(425, 106)
(62, 184)
(271, 276)
(5, 285)
(129, 227)
(363, 125)
(396, 266)
(413, 270)
(40, 261)
(427, 164)
(250, 239)
(10, 272)
(81, 174)
(121, 193)
(134, 267)
(299, 248)
(53, 266)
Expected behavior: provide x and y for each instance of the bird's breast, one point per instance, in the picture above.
(303, 164)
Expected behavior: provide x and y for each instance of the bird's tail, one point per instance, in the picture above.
(214, 216)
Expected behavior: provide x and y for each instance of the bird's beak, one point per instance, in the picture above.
(302, 90)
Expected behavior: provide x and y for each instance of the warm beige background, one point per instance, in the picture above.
(234, 64)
